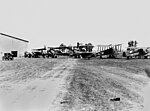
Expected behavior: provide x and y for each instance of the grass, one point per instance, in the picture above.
(93, 83)
(25, 69)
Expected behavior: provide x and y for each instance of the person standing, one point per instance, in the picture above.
(132, 42)
(129, 44)
(78, 44)
(135, 43)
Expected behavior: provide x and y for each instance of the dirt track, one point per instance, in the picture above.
(37, 94)
(95, 82)
(72, 85)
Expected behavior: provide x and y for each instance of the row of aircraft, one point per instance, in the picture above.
(85, 51)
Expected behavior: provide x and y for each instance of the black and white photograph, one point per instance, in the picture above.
(75, 55)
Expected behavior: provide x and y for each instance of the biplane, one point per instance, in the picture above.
(138, 52)
(109, 51)
(61, 50)
(37, 53)
(83, 51)
(74, 51)
(40, 52)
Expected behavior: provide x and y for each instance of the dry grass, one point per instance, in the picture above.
(32, 84)
(25, 69)
(92, 83)
(95, 82)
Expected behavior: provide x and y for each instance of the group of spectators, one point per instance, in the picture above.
(87, 47)
(132, 43)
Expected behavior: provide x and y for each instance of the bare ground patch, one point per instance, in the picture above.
(74, 85)
(32, 84)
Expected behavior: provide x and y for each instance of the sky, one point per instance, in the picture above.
(100, 22)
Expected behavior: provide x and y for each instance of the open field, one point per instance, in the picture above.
(31, 84)
(94, 82)
(68, 84)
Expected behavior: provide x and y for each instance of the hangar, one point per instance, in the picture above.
(11, 44)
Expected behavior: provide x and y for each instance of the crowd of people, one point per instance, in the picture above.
(132, 43)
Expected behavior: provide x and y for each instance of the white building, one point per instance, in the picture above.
(12, 44)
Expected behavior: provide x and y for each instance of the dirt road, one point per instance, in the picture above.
(72, 84)
(95, 82)
(40, 94)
